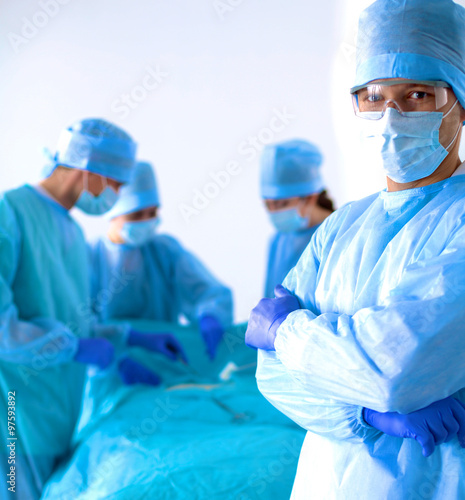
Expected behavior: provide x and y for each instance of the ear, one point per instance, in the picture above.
(308, 203)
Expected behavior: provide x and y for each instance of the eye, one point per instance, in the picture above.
(419, 95)
(374, 97)
(370, 96)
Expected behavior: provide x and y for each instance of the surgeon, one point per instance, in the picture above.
(160, 280)
(294, 195)
(46, 338)
(363, 345)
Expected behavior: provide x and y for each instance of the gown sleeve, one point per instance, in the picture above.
(25, 342)
(401, 354)
(323, 416)
(199, 293)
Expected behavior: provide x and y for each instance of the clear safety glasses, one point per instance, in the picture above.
(406, 96)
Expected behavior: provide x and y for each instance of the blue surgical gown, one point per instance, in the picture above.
(159, 280)
(382, 290)
(43, 288)
(285, 251)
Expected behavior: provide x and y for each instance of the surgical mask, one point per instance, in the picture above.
(96, 205)
(408, 143)
(140, 232)
(289, 220)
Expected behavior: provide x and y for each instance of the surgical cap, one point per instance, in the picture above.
(412, 39)
(140, 193)
(289, 169)
(97, 146)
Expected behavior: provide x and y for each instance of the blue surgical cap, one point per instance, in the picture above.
(289, 169)
(140, 193)
(413, 39)
(97, 146)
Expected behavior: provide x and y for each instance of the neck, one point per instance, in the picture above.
(63, 186)
(319, 214)
(113, 234)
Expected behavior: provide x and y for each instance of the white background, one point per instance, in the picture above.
(229, 65)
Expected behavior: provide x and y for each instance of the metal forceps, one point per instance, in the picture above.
(237, 418)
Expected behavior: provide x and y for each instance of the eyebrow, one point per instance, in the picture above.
(405, 85)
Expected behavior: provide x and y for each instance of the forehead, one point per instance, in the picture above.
(398, 83)
(391, 82)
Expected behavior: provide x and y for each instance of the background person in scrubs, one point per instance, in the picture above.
(45, 339)
(364, 344)
(294, 195)
(162, 280)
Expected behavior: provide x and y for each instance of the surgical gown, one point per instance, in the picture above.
(382, 290)
(285, 251)
(159, 280)
(43, 285)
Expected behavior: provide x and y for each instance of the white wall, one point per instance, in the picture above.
(225, 69)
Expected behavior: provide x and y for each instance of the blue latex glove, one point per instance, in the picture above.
(93, 351)
(266, 317)
(212, 333)
(132, 372)
(431, 426)
(164, 343)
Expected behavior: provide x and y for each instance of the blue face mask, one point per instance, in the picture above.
(138, 233)
(289, 220)
(408, 143)
(96, 205)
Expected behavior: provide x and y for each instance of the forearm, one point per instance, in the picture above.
(322, 416)
(380, 358)
(35, 343)
(217, 303)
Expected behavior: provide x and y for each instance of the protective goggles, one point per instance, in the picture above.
(371, 101)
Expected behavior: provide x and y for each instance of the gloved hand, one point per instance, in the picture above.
(431, 426)
(93, 351)
(212, 333)
(164, 343)
(132, 372)
(266, 317)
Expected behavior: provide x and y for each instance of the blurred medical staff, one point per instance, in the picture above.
(160, 280)
(364, 344)
(294, 195)
(47, 337)
(43, 283)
